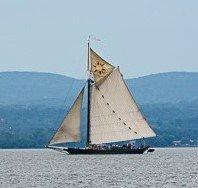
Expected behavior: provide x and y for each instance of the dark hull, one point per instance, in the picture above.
(77, 151)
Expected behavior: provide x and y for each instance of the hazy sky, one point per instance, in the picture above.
(142, 36)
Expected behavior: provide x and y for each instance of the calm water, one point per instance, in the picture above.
(47, 168)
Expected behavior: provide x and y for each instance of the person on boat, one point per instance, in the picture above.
(124, 146)
(133, 145)
(129, 145)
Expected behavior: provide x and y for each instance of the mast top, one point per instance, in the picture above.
(88, 56)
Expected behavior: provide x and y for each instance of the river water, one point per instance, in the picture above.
(171, 167)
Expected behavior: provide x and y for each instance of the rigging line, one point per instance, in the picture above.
(131, 94)
(68, 97)
(103, 47)
(70, 89)
(65, 106)
(83, 56)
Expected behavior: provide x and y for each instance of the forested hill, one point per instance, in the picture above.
(33, 104)
(21, 88)
(169, 87)
(32, 87)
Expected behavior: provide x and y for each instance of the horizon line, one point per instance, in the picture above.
(59, 74)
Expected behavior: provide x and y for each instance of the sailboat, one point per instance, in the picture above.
(112, 114)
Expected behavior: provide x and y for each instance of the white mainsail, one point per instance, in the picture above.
(114, 115)
(69, 131)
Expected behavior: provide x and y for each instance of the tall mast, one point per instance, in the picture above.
(88, 94)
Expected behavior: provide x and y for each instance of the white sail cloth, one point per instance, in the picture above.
(69, 131)
(114, 115)
(99, 67)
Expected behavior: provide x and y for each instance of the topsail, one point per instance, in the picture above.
(99, 67)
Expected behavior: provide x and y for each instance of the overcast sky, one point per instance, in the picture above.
(142, 37)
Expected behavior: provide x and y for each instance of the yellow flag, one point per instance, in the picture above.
(99, 67)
